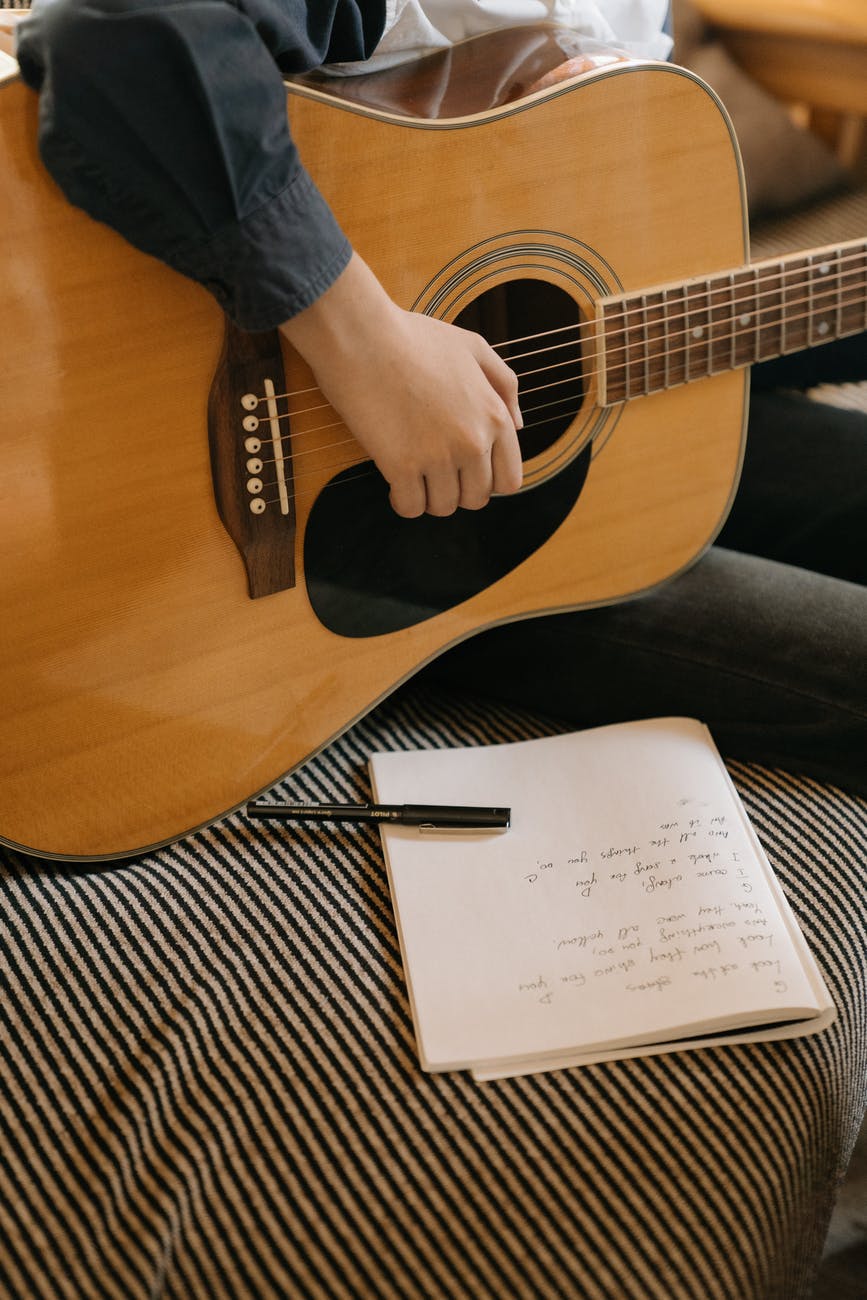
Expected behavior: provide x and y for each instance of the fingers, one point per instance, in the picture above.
(482, 461)
(469, 486)
(499, 472)
(502, 379)
(441, 492)
(507, 471)
(443, 488)
(476, 483)
(408, 496)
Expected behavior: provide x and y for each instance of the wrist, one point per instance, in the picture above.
(342, 317)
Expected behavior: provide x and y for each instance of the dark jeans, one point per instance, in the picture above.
(765, 639)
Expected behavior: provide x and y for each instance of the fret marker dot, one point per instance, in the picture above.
(746, 318)
(824, 268)
(698, 332)
(823, 327)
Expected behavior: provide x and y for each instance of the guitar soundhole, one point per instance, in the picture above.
(534, 326)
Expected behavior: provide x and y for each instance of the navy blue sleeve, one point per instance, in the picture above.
(166, 119)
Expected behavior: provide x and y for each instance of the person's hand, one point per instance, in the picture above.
(433, 405)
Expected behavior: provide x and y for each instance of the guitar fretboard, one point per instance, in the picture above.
(679, 333)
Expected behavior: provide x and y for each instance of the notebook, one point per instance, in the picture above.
(630, 908)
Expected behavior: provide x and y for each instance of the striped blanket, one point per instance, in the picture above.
(210, 1088)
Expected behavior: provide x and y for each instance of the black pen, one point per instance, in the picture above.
(426, 817)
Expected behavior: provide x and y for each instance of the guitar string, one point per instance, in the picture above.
(760, 319)
(702, 304)
(340, 424)
(366, 467)
(710, 336)
(776, 279)
(364, 464)
(296, 436)
(808, 280)
(644, 363)
(338, 465)
(711, 339)
(710, 312)
(342, 464)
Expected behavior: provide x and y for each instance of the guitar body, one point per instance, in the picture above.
(143, 691)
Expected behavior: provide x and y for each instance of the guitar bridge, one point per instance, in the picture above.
(251, 457)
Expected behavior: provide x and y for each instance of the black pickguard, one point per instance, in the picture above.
(370, 572)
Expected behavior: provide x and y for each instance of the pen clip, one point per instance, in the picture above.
(428, 828)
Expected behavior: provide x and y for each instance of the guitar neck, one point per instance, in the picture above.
(677, 333)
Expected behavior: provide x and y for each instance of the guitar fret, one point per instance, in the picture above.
(638, 351)
(720, 312)
(744, 327)
(853, 292)
(676, 334)
(614, 336)
(798, 309)
(709, 310)
(659, 372)
(698, 332)
(771, 329)
(636, 348)
(824, 297)
(733, 323)
(635, 335)
(627, 357)
(838, 320)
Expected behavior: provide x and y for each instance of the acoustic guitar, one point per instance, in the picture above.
(201, 581)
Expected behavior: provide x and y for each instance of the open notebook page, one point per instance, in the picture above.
(630, 903)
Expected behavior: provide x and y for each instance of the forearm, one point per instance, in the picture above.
(168, 122)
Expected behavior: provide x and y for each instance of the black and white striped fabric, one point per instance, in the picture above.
(210, 1086)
